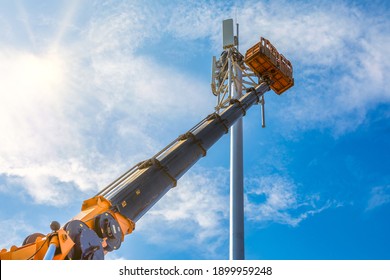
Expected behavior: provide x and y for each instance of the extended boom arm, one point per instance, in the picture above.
(106, 218)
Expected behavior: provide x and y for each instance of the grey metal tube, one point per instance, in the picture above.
(237, 246)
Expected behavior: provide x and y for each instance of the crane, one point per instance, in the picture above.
(110, 215)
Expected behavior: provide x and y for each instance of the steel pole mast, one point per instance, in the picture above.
(237, 247)
(231, 75)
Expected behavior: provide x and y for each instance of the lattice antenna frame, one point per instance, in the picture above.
(230, 62)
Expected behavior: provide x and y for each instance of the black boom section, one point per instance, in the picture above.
(136, 191)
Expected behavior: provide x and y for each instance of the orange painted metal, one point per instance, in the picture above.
(90, 209)
(37, 249)
(265, 61)
(98, 205)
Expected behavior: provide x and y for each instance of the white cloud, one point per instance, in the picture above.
(32, 92)
(79, 111)
(14, 230)
(79, 114)
(339, 53)
(75, 115)
(313, 33)
(378, 197)
(275, 199)
(192, 215)
(41, 140)
(122, 26)
(5, 29)
(198, 20)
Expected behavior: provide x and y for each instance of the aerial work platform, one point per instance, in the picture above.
(265, 61)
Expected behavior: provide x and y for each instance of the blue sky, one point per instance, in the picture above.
(89, 88)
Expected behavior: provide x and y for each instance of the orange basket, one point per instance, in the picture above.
(265, 61)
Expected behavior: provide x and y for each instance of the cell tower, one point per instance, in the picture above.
(233, 74)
